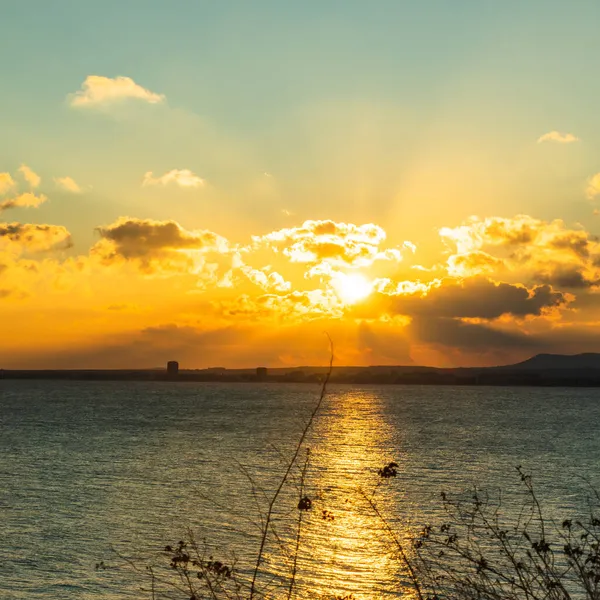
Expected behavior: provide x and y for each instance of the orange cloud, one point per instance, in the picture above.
(294, 306)
(156, 245)
(473, 263)
(506, 285)
(6, 182)
(529, 247)
(30, 176)
(265, 279)
(68, 184)
(495, 231)
(25, 200)
(26, 237)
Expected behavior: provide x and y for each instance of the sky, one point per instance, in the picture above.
(221, 183)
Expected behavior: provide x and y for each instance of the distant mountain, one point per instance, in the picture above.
(544, 362)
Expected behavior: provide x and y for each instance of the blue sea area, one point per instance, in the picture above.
(94, 472)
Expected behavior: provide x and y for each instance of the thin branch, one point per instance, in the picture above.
(398, 544)
(287, 472)
(298, 534)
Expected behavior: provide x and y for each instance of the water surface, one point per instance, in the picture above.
(87, 466)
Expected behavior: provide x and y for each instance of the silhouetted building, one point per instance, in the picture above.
(261, 373)
(172, 369)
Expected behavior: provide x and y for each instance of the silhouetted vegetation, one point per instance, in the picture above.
(480, 550)
(475, 553)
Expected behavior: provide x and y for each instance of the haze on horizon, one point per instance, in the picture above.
(220, 183)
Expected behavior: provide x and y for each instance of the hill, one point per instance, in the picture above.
(552, 362)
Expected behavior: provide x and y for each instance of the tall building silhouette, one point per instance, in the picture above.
(261, 373)
(172, 369)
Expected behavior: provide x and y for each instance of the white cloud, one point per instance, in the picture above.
(181, 177)
(68, 184)
(6, 182)
(265, 279)
(557, 136)
(410, 246)
(341, 244)
(30, 176)
(97, 90)
(593, 187)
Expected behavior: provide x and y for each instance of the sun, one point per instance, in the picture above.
(352, 288)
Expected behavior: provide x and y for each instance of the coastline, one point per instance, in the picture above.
(390, 375)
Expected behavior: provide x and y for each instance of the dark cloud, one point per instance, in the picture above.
(139, 238)
(512, 233)
(567, 276)
(157, 246)
(578, 242)
(478, 298)
(466, 336)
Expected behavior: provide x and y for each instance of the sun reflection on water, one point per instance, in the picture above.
(344, 549)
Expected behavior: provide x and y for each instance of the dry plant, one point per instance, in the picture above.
(475, 553)
(479, 553)
(188, 569)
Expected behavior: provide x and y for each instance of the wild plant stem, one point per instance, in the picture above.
(299, 531)
(397, 542)
(286, 474)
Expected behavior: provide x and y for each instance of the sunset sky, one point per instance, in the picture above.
(219, 183)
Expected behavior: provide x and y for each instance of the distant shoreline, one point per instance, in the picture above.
(380, 375)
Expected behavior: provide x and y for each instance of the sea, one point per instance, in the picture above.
(97, 478)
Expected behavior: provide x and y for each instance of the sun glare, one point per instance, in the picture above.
(352, 288)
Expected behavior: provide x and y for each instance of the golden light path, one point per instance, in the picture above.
(345, 550)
